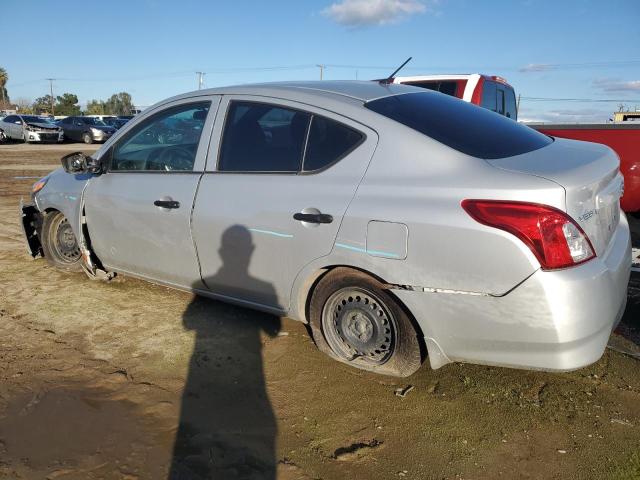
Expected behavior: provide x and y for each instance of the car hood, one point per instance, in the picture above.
(45, 125)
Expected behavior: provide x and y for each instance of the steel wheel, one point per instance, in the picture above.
(357, 324)
(64, 242)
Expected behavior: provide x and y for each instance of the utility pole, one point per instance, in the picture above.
(200, 79)
(321, 67)
(53, 111)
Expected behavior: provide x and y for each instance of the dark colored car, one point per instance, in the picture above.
(86, 129)
(115, 122)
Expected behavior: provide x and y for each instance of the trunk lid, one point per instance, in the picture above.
(590, 176)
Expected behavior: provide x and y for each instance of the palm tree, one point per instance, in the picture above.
(4, 78)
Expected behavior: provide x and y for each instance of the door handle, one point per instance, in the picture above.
(167, 203)
(313, 217)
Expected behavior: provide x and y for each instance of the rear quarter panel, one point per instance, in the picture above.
(623, 139)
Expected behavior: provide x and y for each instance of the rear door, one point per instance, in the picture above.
(279, 178)
(139, 212)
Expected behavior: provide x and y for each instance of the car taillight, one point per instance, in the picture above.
(553, 237)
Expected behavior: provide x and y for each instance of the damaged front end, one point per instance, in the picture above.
(31, 222)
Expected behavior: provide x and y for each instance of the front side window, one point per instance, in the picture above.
(167, 141)
(259, 137)
(460, 125)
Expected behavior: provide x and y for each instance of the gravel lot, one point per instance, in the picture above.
(122, 380)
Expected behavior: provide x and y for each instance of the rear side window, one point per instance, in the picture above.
(329, 141)
(489, 92)
(511, 110)
(259, 137)
(446, 87)
(460, 125)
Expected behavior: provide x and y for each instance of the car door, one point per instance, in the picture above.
(139, 212)
(274, 199)
(9, 125)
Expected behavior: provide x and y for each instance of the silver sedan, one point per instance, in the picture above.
(398, 223)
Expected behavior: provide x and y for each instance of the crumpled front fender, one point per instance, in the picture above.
(31, 222)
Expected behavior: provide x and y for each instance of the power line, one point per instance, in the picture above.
(585, 100)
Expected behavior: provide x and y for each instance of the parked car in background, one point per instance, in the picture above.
(29, 128)
(393, 219)
(115, 122)
(489, 91)
(86, 129)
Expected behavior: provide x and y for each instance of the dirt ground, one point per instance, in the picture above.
(128, 380)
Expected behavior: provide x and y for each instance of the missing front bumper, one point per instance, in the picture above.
(31, 222)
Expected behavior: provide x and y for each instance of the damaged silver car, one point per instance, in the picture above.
(29, 128)
(400, 224)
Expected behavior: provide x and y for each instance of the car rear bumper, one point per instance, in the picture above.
(559, 320)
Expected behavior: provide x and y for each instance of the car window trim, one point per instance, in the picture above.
(301, 170)
(109, 153)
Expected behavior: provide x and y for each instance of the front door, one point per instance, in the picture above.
(274, 202)
(139, 212)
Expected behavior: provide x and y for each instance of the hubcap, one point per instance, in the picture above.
(357, 325)
(65, 242)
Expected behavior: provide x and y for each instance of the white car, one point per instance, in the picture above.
(29, 128)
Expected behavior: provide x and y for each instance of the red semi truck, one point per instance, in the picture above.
(496, 94)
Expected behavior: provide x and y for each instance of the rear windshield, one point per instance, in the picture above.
(460, 125)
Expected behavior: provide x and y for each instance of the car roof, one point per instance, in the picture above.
(362, 91)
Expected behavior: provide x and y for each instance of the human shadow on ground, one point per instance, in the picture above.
(227, 427)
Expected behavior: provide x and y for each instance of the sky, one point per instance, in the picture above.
(563, 52)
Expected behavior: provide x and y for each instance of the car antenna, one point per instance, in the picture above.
(389, 79)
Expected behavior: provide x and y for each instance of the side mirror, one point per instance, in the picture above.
(78, 162)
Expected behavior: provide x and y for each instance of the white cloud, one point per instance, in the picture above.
(566, 115)
(358, 13)
(617, 85)
(536, 67)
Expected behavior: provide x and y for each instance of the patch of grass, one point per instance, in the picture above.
(628, 471)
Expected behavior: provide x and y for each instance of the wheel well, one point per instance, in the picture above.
(321, 274)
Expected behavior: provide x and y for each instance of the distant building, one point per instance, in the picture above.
(626, 116)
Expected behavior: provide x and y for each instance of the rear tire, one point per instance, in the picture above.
(87, 138)
(59, 243)
(355, 320)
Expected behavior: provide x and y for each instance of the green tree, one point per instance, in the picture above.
(119, 104)
(42, 104)
(95, 107)
(67, 104)
(4, 96)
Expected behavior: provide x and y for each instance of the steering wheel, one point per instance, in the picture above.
(175, 158)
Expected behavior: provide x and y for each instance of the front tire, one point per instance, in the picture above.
(87, 138)
(59, 243)
(355, 320)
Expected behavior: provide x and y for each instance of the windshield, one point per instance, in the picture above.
(94, 121)
(462, 126)
(34, 119)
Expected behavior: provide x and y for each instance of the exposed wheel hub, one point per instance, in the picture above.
(357, 325)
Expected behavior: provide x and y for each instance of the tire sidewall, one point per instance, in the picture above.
(86, 136)
(408, 352)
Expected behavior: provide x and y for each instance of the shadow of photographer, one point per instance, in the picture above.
(227, 427)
